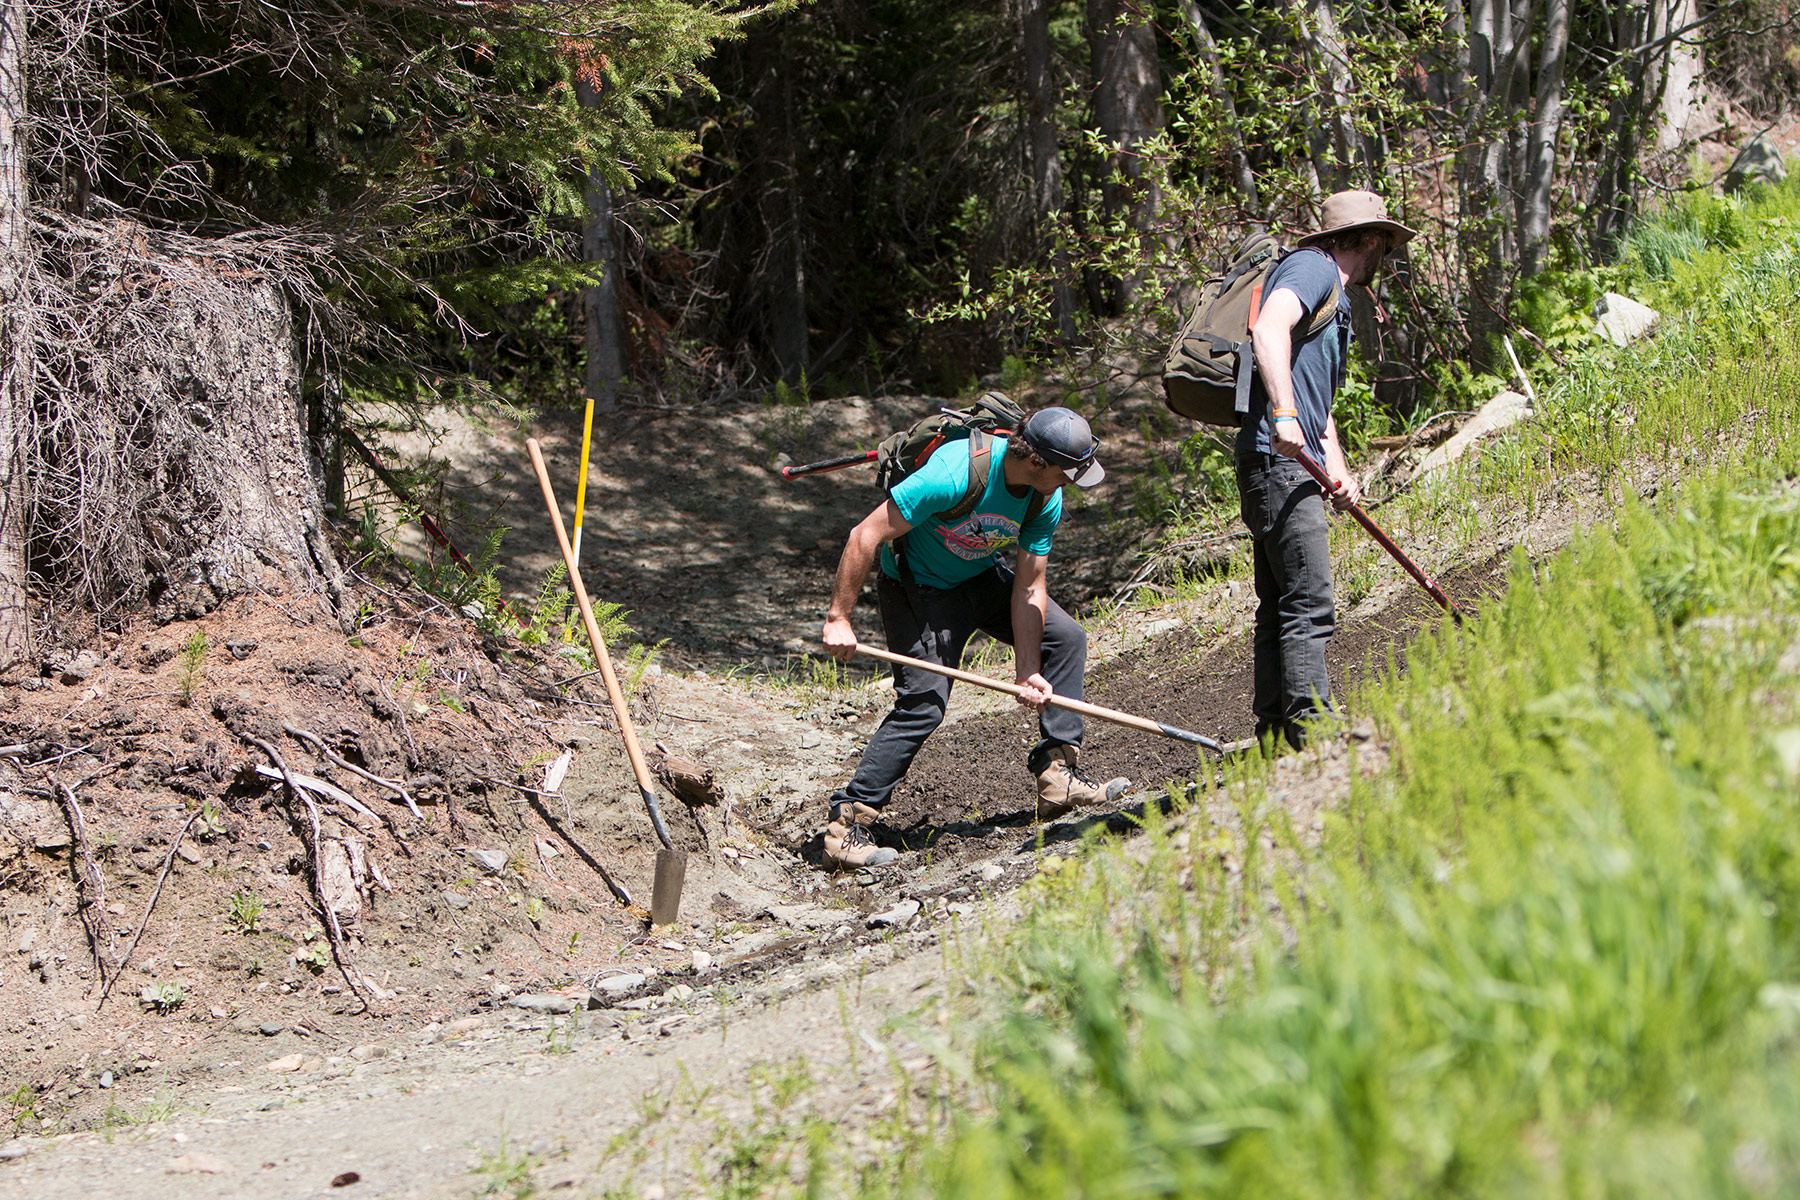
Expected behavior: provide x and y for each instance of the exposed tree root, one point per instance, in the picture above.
(90, 887)
(311, 836)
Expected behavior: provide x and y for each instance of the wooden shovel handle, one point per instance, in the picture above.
(613, 692)
(1078, 706)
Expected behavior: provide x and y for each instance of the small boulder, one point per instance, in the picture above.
(1757, 161)
(613, 985)
(1622, 320)
(1505, 410)
(492, 861)
(543, 1003)
(896, 917)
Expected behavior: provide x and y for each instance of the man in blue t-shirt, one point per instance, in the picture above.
(941, 580)
(1298, 374)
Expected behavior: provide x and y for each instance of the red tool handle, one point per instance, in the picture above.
(1384, 541)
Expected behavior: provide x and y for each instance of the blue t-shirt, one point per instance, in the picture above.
(943, 556)
(1318, 362)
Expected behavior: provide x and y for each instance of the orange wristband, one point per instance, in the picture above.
(1284, 414)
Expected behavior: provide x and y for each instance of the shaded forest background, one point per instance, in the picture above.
(678, 204)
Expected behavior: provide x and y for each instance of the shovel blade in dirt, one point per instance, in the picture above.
(665, 892)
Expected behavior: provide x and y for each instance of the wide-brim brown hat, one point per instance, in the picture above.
(1344, 211)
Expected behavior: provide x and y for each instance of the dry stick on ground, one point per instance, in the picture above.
(90, 888)
(338, 952)
(168, 865)
(551, 823)
(319, 744)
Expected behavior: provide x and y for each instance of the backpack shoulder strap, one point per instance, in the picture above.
(981, 444)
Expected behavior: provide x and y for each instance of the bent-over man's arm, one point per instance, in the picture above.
(883, 524)
(1030, 607)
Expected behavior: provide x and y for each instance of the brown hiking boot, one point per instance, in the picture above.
(1062, 789)
(848, 846)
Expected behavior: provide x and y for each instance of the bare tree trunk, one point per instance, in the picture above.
(1684, 83)
(324, 430)
(16, 332)
(172, 464)
(602, 321)
(1486, 212)
(1546, 126)
(1128, 108)
(784, 219)
(1046, 165)
(1638, 25)
(1208, 50)
(1349, 161)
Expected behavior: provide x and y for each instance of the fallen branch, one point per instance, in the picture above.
(90, 888)
(330, 791)
(612, 885)
(319, 744)
(338, 953)
(168, 865)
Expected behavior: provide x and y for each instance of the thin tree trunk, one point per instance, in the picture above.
(1485, 211)
(1546, 126)
(1046, 165)
(784, 220)
(602, 321)
(324, 432)
(1637, 26)
(1349, 159)
(15, 331)
(1208, 51)
(1518, 135)
(1128, 109)
(1684, 81)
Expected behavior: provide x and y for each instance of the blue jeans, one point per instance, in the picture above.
(1295, 615)
(935, 624)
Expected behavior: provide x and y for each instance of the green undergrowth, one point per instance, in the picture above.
(1552, 952)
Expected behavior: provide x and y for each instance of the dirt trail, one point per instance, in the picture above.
(774, 963)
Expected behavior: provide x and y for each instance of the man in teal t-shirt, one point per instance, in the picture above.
(940, 581)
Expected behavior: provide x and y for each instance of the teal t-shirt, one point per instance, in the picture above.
(943, 556)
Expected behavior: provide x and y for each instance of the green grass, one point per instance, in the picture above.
(1549, 954)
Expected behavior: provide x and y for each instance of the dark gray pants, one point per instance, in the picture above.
(1295, 617)
(935, 624)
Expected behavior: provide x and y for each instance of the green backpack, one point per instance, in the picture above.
(992, 415)
(1206, 376)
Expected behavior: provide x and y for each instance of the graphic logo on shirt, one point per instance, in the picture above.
(980, 536)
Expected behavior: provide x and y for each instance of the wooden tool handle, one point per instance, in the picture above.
(613, 692)
(1012, 689)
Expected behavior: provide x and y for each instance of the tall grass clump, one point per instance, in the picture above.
(1554, 951)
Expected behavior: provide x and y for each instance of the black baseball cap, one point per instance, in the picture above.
(1061, 437)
